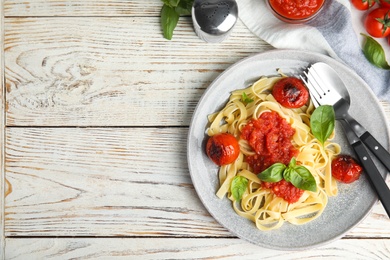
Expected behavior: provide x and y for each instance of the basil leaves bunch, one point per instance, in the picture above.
(298, 175)
(170, 13)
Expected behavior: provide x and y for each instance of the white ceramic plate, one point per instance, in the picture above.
(343, 212)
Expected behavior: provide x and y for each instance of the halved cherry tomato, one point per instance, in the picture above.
(290, 92)
(384, 3)
(346, 169)
(363, 4)
(377, 22)
(222, 148)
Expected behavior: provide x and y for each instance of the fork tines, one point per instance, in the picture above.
(321, 91)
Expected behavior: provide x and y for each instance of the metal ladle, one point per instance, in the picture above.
(214, 19)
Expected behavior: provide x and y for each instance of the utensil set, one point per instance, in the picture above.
(327, 88)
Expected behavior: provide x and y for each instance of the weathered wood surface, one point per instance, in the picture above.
(102, 182)
(184, 248)
(82, 8)
(97, 111)
(87, 72)
(101, 71)
(3, 188)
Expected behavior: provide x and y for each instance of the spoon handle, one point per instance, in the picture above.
(377, 149)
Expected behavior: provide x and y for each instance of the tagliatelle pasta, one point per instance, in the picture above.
(258, 204)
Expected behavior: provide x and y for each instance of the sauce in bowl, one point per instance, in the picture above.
(295, 11)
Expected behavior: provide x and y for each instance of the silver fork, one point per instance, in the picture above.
(321, 80)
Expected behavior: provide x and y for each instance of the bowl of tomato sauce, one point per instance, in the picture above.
(295, 11)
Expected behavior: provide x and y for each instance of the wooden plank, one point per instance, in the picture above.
(112, 182)
(111, 71)
(185, 248)
(102, 182)
(3, 187)
(83, 8)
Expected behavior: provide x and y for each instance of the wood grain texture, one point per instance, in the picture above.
(112, 182)
(97, 112)
(185, 248)
(102, 72)
(102, 182)
(83, 8)
(3, 186)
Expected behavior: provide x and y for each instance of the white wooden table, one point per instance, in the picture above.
(96, 106)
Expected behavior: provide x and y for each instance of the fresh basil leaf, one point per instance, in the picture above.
(293, 163)
(287, 173)
(238, 187)
(289, 170)
(301, 178)
(184, 7)
(245, 98)
(169, 19)
(322, 122)
(375, 53)
(171, 3)
(274, 173)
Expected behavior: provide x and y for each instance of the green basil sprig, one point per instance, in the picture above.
(322, 122)
(298, 175)
(375, 53)
(170, 13)
(238, 187)
(245, 98)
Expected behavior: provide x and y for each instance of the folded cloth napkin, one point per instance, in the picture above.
(330, 33)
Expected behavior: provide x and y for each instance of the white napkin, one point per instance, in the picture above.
(331, 33)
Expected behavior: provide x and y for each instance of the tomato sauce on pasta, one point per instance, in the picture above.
(270, 137)
(259, 203)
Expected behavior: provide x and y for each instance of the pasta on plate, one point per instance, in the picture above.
(258, 204)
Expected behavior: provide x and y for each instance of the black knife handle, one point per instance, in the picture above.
(375, 177)
(377, 149)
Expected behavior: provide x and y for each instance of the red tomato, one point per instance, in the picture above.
(377, 22)
(222, 149)
(346, 169)
(363, 4)
(290, 92)
(384, 3)
(284, 189)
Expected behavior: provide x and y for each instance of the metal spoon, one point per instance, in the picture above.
(214, 19)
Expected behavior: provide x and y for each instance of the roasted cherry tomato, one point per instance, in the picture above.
(384, 3)
(377, 22)
(290, 92)
(346, 169)
(363, 4)
(222, 148)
